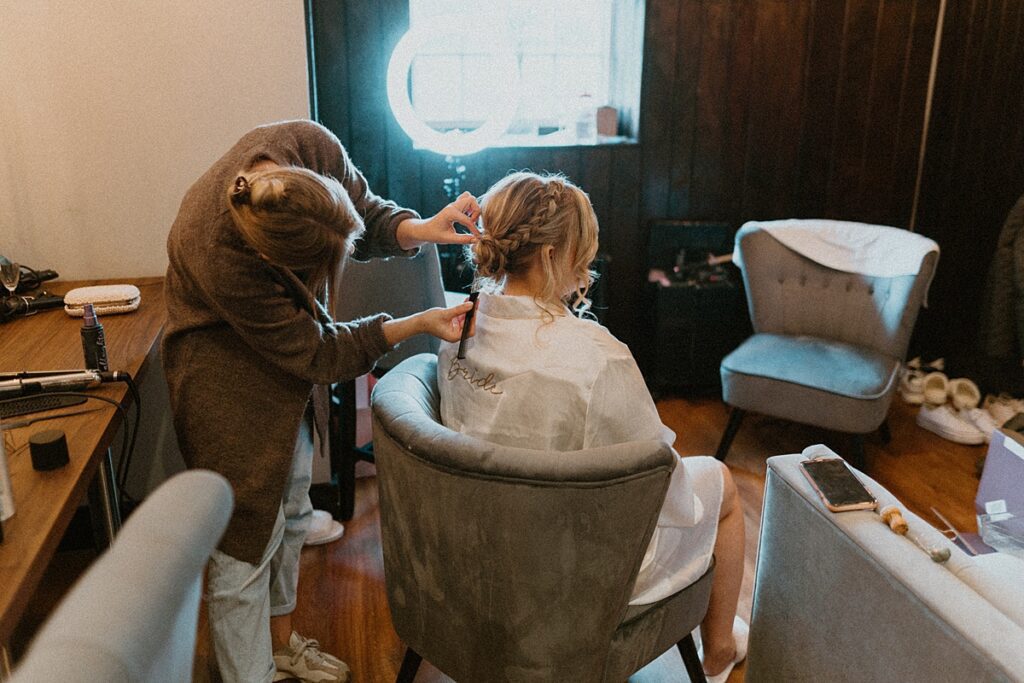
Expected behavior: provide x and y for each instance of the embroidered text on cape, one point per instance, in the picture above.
(487, 383)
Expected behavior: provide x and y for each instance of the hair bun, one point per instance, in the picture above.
(489, 256)
(267, 191)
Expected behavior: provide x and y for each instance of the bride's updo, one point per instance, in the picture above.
(522, 212)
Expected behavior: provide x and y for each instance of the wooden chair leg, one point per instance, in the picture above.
(884, 431)
(411, 663)
(857, 456)
(735, 418)
(690, 659)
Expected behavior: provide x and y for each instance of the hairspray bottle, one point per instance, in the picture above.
(94, 346)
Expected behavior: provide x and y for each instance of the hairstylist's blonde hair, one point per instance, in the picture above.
(522, 212)
(296, 219)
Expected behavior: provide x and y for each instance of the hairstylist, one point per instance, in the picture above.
(249, 347)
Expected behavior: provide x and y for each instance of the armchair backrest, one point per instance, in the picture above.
(133, 616)
(505, 563)
(399, 286)
(790, 294)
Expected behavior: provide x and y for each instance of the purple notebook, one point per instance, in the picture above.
(1003, 476)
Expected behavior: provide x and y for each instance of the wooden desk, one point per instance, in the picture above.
(45, 501)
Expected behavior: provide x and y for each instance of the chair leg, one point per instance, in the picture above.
(410, 664)
(343, 455)
(690, 659)
(884, 431)
(857, 457)
(735, 418)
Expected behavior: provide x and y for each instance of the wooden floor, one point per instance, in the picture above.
(341, 587)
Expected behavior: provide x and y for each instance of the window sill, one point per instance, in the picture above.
(554, 140)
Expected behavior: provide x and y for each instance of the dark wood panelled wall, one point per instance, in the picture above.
(750, 109)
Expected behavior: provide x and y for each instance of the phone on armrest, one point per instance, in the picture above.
(837, 485)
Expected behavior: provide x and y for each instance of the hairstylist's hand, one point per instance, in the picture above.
(443, 323)
(440, 229)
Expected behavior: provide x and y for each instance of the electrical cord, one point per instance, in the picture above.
(126, 444)
(125, 461)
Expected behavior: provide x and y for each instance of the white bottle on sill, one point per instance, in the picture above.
(586, 120)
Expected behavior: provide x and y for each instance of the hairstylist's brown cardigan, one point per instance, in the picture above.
(242, 351)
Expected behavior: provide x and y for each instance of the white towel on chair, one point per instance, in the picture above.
(873, 250)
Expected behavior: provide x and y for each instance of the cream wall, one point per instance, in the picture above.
(109, 111)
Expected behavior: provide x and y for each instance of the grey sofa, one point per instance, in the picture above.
(132, 618)
(506, 564)
(839, 597)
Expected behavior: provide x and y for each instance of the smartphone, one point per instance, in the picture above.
(838, 486)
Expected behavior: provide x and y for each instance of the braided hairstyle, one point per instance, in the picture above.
(525, 211)
(296, 219)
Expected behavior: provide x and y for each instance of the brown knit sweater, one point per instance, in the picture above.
(241, 350)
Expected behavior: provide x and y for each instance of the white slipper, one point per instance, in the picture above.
(323, 529)
(741, 633)
(935, 388)
(963, 393)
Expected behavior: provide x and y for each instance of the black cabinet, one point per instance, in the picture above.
(694, 328)
(697, 315)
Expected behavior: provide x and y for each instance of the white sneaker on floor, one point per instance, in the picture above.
(741, 633)
(949, 424)
(323, 529)
(982, 420)
(303, 660)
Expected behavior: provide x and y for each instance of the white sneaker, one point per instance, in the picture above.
(964, 393)
(982, 420)
(1002, 407)
(948, 424)
(302, 659)
(323, 529)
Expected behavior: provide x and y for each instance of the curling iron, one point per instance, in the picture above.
(13, 385)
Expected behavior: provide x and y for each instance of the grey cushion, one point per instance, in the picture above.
(133, 616)
(831, 366)
(810, 380)
(507, 564)
(839, 597)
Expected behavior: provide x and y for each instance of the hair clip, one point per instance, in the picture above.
(240, 194)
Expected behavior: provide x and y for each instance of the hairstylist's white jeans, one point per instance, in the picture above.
(242, 597)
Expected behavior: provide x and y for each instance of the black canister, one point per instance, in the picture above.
(49, 450)
(94, 346)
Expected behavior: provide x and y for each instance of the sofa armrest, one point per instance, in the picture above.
(842, 596)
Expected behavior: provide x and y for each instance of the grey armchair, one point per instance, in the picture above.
(507, 564)
(827, 345)
(133, 616)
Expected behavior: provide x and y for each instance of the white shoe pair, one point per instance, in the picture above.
(960, 420)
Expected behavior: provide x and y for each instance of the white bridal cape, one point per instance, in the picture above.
(568, 384)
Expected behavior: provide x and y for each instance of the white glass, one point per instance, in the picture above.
(10, 274)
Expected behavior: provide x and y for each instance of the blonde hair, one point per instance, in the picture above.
(296, 219)
(525, 211)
